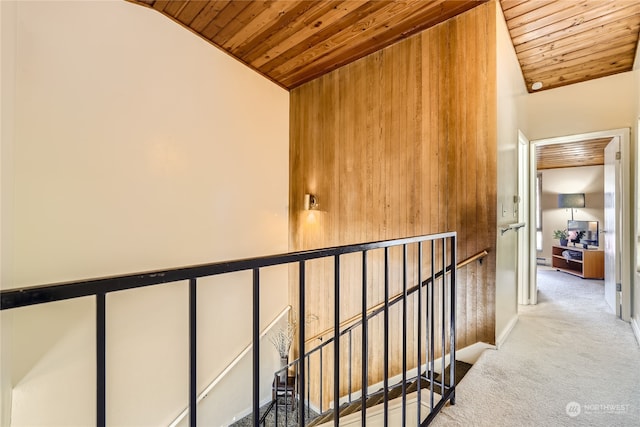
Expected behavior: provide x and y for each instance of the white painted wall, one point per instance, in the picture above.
(7, 102)
(635, 142)
(595, 105)
(588, 180)
(511, 118)
(137, 146)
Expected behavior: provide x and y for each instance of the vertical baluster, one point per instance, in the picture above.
(308, 384)
(301, 334)
(386, 337)
(256, 347)
(336, 340)
(277, 383)
(443, 315)
(321, 377)
(419, 332)
(431, 327)
(454, 273)
(101, 377)
(404, 335)
(350, 345)
(193, 402)
(295, 385)
(365, 352)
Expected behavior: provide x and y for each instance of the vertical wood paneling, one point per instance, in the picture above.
(399, 143)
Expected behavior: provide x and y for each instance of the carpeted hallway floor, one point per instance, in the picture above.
(568, 362)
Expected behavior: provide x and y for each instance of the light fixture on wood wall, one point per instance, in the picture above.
(310, 202)
(571, 201)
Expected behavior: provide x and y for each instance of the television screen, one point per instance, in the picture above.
(583, 232)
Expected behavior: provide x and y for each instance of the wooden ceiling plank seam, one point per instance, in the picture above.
(568, 153)
(583, 68)
(276, 44)
(159, 5)
(349, 38)
(569, 10)
(359, 50)
(546, 16)
(513, 9)
(190, 11)
(567, 159)
(325, 34)
(228, 13)
(206, 15)
(567, 36)
(303, 28)
(581, 65)
(239, 24)
(285, 26)
(595, 18)
(346, 39)
(357, 24)
(258, 23)
(589, 53)
(551, 62)
(588, 143)
(549, 14)
(584, 39)
(577, 153)
(581, 76)
(174, 7)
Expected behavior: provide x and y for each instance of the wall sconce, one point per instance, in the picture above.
(310, 202)
(571, 201)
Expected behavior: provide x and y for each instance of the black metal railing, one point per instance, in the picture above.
(383, 308)
(443, 244)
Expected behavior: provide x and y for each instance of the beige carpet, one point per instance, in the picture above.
(568, 362)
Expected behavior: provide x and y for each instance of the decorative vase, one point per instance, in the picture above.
(283, 373)
(564, 242)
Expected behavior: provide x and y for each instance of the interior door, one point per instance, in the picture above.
(612, 256)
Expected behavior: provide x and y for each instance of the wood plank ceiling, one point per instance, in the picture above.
(562, 42)
(293, 42)
(558, 42)
(572, 154)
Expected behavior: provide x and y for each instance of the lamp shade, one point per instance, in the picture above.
(575, 200)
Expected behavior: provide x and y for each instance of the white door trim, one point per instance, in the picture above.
(626, 233)
(524, 254)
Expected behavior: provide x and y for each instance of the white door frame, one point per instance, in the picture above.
(522, 205)
(625, 233)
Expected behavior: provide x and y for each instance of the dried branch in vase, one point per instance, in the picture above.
(282, 338)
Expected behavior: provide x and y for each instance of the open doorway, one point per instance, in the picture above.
(569, 172)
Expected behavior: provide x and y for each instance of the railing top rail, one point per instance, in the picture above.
(20, 297)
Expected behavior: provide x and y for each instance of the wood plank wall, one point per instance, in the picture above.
(399, 143)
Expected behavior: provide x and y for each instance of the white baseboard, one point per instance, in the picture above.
(635, 325)
(505, 333)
